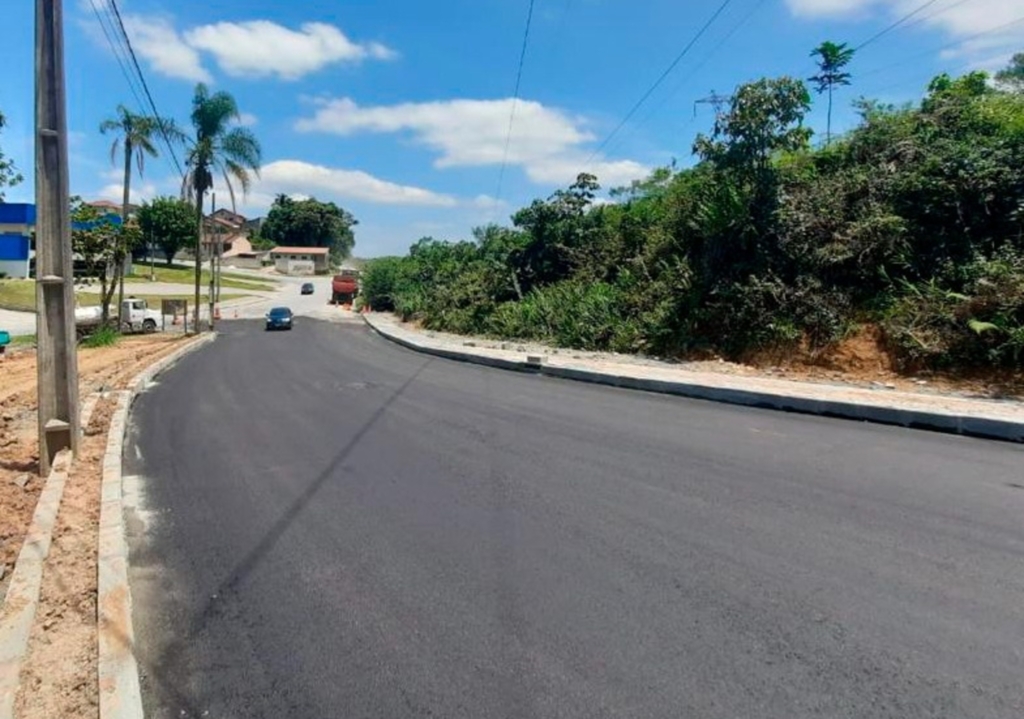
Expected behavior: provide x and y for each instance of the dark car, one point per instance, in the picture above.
(279, 318)
(307, 288)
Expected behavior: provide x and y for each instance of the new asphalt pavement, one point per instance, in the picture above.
(331, 526)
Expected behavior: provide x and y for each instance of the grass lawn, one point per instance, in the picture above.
(18, 295)
(181, 274)
(21, 295)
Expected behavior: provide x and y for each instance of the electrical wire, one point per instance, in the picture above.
(661, 78)
(120, 55)
(893, 26)
(960, 41)
(145, 87)
(696, 68)
(515, 100)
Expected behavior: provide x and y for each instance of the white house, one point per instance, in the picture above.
(301, 260)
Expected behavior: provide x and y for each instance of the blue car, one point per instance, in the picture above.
(279, 318)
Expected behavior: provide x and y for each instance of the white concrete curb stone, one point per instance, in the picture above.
(22, 599)
(978, 418)
(120, 689)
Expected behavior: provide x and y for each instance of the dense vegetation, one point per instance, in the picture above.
(912, 221)
(309, 223)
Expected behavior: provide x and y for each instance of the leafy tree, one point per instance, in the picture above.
(168, 222)
(310, 223)
(9, 175)
(217, 149)
(1012, 76)
(100, 242)
(832, 58)
(136, 135)
(765, 118)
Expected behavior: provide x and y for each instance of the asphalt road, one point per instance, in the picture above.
(335, 527)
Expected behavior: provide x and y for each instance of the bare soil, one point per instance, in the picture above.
(60, 675)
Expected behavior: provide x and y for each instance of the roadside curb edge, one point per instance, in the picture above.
(974, 426)
(120, 692)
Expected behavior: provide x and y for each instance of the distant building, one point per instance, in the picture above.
(228, 217)
(301, 260)
(113, 208)
(17, 222)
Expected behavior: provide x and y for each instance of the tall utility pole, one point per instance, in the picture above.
(213, 253)
(715, 100)
(56, 357)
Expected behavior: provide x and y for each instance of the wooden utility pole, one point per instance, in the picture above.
(56, 357)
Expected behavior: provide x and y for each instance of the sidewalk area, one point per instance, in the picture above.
(997, 419)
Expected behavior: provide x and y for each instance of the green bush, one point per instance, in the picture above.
(102, 337)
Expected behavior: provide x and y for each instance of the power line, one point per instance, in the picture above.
(119, 54)
(896, 24)
(696, 68)
(939, 11)
(515, 99)
(661, 78)
(145, 87)
(955, 43)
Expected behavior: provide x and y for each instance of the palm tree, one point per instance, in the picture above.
(135, 135)
(831, 58)
(220, 149)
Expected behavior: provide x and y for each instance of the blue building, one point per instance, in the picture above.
(17, 221)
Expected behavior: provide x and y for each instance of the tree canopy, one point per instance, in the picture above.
(169, 223)
(9, 175)
(310, 223)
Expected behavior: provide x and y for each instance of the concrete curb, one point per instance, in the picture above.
(19, 609)
(119, 686)
(975, 425)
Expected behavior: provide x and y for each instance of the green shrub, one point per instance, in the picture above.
(102, 337)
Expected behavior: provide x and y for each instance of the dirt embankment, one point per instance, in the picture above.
(104, 368)
(59, 676)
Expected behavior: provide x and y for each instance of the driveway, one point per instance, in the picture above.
(333, 526)
(18, 323)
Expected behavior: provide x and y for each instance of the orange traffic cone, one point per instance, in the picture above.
(216, 312)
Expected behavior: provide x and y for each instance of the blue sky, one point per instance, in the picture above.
(398, 109)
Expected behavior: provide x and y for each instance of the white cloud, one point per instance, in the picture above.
(247, 119)
(253, 48)
(140, 192)
(157, 40)
(261, 48)
(327, 183)
(486, 202)
(545, 141)
(995, 20)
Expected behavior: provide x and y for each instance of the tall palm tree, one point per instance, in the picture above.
(831, 58)
(219, 148)
(136, 136)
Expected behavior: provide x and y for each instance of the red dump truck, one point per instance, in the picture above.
(345, 286)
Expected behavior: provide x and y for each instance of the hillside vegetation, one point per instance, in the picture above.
(911, 223)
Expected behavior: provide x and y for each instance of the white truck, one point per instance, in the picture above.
(135, 316)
